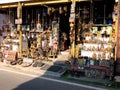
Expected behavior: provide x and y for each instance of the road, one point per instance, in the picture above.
(13, 80)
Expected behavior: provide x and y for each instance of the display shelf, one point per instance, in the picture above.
(97, 50)
(90, 53)
(89, 49)
(88, 45)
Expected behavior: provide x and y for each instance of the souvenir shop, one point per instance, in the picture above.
(44, 26)
(94, 53)
(88, 29)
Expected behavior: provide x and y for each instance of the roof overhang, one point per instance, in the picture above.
(30, 3)
(14, 3)
(11, 1)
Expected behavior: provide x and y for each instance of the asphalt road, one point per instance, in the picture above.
(12, 80)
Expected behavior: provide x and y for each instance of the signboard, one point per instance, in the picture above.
(72, 15)
(18, 21)
(11, 1)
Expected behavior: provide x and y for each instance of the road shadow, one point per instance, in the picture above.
(57, 69)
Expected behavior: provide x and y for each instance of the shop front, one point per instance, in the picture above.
(84, 26)
(43, 24)
(95, 40)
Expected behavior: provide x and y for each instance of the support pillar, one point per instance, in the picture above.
(72, 28)
(19, 26)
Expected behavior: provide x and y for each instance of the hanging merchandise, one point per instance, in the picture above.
(44, 21)
(49, 10)
(65, 8)
(26, 12)
(38, 24)
(85, 15)
(60, 10)
(55, 32)
(44, 13)
(97, 52)
(32, 21)
(53, 9)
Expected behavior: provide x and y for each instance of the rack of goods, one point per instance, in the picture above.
(97, 53)
(9, 49)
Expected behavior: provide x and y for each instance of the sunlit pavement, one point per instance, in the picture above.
(51, 68)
